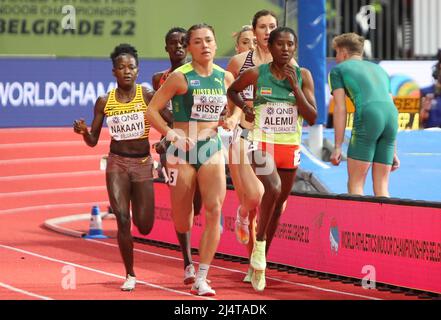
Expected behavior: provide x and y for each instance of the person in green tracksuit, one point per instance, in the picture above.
(373, 139)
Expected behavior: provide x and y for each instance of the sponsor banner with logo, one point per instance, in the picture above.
(92, 28)
(376, 242)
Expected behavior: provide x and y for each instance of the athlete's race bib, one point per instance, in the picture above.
(251, 146)
(278, 118)
(208, 107)
(126, 126)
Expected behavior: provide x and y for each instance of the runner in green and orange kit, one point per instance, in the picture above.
(284, 96)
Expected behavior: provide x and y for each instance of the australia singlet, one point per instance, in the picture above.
(205, 98)
(126, 121)
(277, 120)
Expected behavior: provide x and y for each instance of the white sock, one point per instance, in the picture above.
(203, 271)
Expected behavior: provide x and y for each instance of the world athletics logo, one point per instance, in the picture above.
(334, 237)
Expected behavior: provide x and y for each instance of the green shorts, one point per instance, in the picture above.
(201, 152)
(374, 133)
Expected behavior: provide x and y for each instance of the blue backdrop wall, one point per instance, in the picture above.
(54, 92)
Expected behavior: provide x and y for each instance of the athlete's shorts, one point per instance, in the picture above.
(374, 133)
(138, 169)
(285, 156)
(200, 153)
(226, 137)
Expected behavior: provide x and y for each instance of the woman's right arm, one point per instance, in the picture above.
(155, 80)
(233, 65)
(246, 78)
(165, 113)
(91, 138)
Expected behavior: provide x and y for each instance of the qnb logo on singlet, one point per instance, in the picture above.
(278, 118)
(208, 107)
(126, 126)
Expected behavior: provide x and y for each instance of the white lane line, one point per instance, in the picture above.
(58, 175)
(49, 144)
(51, 159)
(6, 286)
(52, 191)
(100, 271)
(314, 159)
(238, 271)
(61, 206)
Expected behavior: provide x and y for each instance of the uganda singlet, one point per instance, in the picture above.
(126, 121)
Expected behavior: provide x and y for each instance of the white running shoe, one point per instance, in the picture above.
(241, 228)
(129, 284)
(247, 278)
(201, 288)
(189, 274)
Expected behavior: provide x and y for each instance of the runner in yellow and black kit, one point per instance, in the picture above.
(198, 94)
(284, 97)
(129, 172)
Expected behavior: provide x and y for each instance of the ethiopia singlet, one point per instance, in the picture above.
(126, 121)
(205, 98)
(277, 120)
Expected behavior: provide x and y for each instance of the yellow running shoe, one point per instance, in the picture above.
(247, 278)
(258, 259)
(258, 280)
